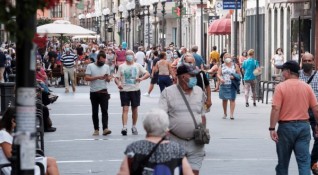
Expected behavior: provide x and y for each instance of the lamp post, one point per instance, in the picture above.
(202, 31)
(163, 11)
(133, 5)
(148, 14)
(180, 5)
(129, 9)
(120, 11)
(155, 5)
(99, 20)
(106, 16)
(88, 16)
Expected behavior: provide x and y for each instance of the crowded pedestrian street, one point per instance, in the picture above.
(238, 147)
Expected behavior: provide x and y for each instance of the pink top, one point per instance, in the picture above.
(121, 56)
(40, 75)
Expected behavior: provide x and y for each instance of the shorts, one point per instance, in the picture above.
(195, 153)
(154, 79)
(130, 98)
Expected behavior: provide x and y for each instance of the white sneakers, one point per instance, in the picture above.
(146, 94)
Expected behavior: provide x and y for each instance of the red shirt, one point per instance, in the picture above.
(40, 75)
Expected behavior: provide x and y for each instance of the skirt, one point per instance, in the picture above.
(227, 92)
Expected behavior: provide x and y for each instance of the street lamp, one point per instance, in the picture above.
(81, 18)
(147, 5)
(114, 22)
(180, 6)
(129, 8)
(98, 21)
(88, 16)
(163, 11)
(93, 16)
(120, 11)
(155, 5)
(202, 31)
(133, 5)
(106, 13)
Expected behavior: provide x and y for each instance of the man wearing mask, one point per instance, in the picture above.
(181, 122)
(68, 59)
(98, 74)
(308, 75)
(128, 77)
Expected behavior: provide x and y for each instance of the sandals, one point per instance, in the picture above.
(232, 118)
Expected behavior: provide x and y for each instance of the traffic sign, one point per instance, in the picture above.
(230, 4)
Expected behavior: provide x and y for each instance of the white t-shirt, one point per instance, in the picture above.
(93, 70)
(128, 75)
(140, 58)
(278, 60)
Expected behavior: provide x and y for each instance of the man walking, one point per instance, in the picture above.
(127, 79)
(140, 56)
(311, 77)
(291, 101)
(199, 62)
(181, 122)
(68, 60)
(98, 74)
(214, 57)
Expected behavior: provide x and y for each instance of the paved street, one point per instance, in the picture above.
(239, 147)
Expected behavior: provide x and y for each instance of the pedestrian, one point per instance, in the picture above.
(154, 73)
(110, 56)
(278, 59)
(93, 54)
(140, 57)
(227, 72)
(291, 101)
(7, 126)
(182, 126)
(214, 57)
(164, 72)
(308, 75)
(242, 58)
(68, 67)
(127, 79)
(198, 58)
(222, 56)
(2, 65)
(168, 155)
(248, 67)
(98, 74)
(120, 57)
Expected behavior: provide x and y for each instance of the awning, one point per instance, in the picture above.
(220, 27)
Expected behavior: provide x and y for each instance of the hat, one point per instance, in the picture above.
(183, 69)
(291, 65)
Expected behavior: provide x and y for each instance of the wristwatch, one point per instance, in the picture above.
(271, 129)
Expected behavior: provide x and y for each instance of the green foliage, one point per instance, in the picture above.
(43, 21)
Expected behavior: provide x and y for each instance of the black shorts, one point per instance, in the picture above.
(130, 98)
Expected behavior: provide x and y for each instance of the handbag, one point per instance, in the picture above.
(257, 71)
(200, 133)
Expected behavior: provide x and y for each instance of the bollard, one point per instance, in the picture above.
(7, 95)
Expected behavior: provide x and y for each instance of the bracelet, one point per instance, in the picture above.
(271, 129)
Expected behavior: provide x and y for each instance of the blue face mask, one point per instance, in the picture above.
(129, 58)
(192, 82)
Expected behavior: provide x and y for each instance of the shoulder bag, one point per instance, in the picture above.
(200, 133)
(311, 77)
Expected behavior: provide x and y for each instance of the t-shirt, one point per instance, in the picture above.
(140, 58)
(68, 60)
(128, 75)
(279, 60)
(249, 66)
(181, 122)
(294, 97)
(198, 60)
(214, 56)
(168, 156)
(93, 55)
(93, 70)
(79, 50)
(4, 137)
(38, 76)
(121, 56)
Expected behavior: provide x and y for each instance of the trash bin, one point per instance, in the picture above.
(7, 95)
(12, 78)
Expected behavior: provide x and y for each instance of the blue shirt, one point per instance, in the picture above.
(124, 45)
(198, 60)
(249, 65)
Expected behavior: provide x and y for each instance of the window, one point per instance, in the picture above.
(56, 12)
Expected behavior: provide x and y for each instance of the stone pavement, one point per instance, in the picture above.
(238, 147)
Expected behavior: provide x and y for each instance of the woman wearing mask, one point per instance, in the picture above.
(164, 72)
(278, 59)
(227, 72)
(110, 55)
(176, 56)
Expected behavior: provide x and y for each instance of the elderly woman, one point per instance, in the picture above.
(167, 156)
(229, 76)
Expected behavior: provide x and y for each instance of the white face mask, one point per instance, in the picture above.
(228, 60)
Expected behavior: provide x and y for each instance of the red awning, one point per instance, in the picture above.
(220, 27)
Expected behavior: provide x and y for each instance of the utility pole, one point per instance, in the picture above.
(180, 23)
(24, 137)
(202, 31)
(235, 31)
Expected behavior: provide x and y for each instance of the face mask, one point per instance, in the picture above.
(307, 67)
(192, 82)
(228, 60)
(100, 63)
(175, 56)
(129, 58)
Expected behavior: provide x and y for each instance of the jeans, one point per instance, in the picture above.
(293, 136)
(314, 151)
(164, 81)
(69, 74)
(99, 99)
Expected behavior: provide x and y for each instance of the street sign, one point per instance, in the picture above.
(230, 4)
(212, 18)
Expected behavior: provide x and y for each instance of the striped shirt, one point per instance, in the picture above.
(68, 60)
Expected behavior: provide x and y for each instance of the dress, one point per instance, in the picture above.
(227, 91)
(168, 156)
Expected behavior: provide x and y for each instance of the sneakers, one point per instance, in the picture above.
(134, 131)
(67, 91)
(106, 132)
(146, 94)
(224, 116)
(314, 169)
(96, 133)
(124, 131)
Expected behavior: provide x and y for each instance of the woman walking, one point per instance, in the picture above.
(229, 75)
(164, 71)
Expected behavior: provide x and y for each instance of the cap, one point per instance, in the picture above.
(291, 65)
(183, 69)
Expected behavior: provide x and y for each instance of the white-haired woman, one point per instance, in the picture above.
(167, 156)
